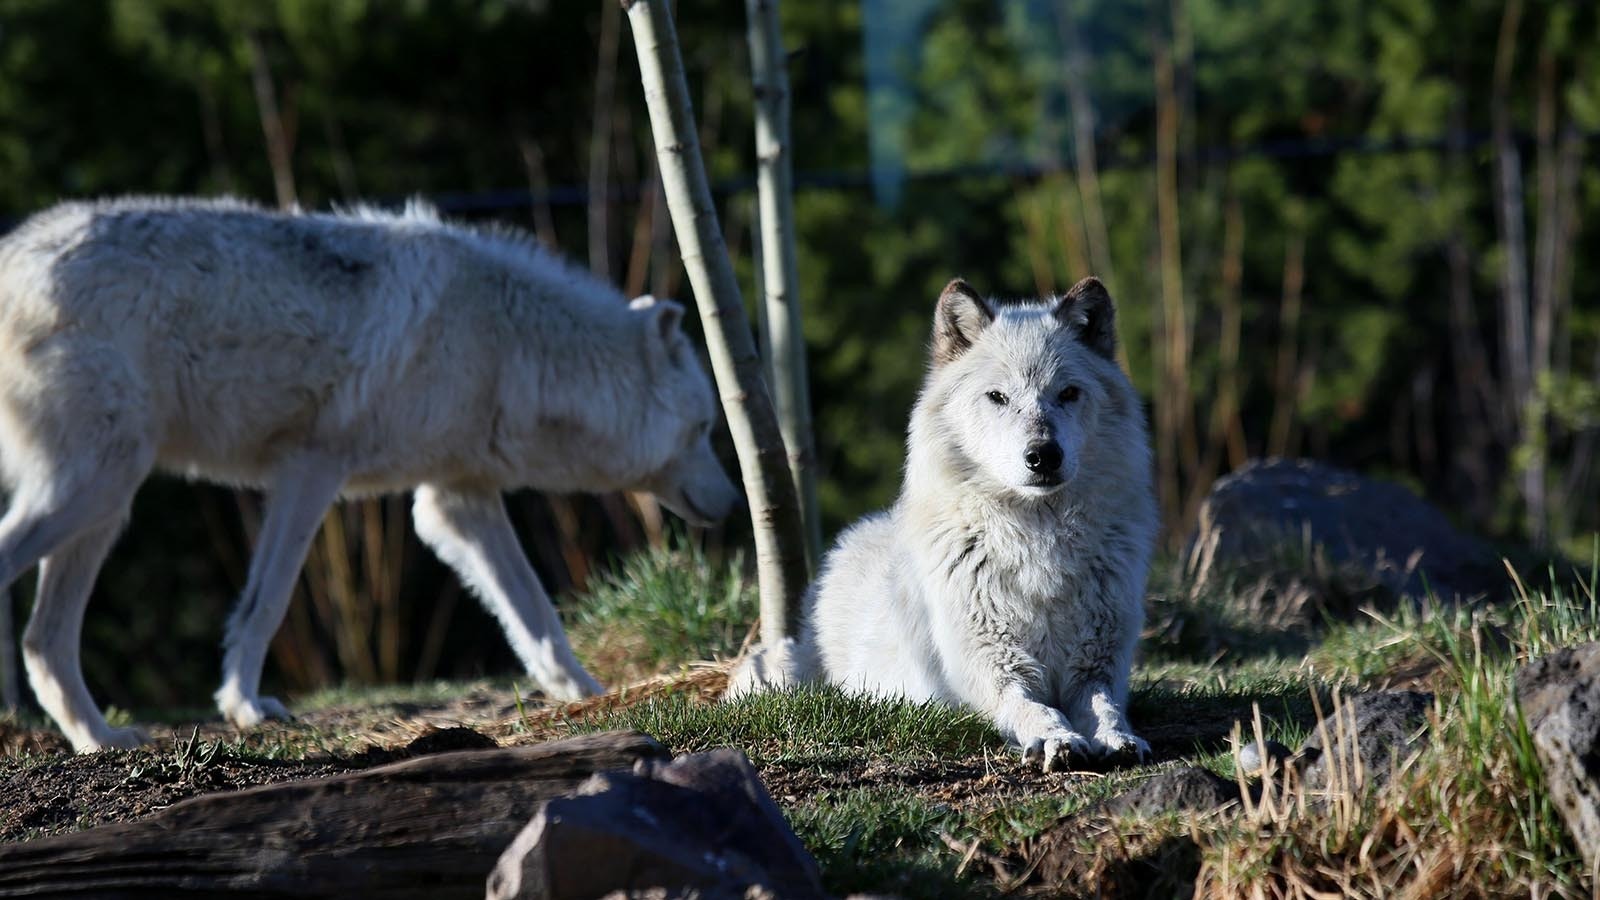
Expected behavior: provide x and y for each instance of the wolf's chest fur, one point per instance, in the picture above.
(1024, 572)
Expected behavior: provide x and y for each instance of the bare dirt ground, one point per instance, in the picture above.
(45, 789)
(63, 792)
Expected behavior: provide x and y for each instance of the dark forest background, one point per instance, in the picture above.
(1357, 230)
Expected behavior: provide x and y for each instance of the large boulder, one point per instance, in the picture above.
(702, 825)
(1560, 699)
(1270, 511)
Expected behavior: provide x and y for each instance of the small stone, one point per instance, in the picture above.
(441, 740)
(1251, 759)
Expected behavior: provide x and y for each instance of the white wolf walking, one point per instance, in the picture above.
(320, 356)
(1009, 576)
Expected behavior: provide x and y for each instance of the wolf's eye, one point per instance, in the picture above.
(997, 398)
(1070, 394)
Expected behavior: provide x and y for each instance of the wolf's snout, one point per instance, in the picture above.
(1043, 458)
(697, 488)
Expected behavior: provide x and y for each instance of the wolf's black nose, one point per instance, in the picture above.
(1045, 457)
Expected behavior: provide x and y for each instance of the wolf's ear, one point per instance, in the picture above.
(665, 315)
(961, 316)
(1090, 314)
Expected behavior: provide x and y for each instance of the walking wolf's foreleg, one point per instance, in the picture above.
(470, 531)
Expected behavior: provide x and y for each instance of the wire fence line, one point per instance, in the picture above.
(486, 202)
(482, 203)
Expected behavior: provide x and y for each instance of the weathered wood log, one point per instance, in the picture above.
(428, 827)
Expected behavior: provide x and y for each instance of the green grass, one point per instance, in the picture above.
(1472, 811)
(876, 839)
(421, 693)
(866, 782)
(659, 608)
(1213, 658)
(813, 724)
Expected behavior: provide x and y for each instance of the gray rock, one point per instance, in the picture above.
(701, 825)
(1267, 509)
(1560, 699)
(1191, 789)
(1380, 730)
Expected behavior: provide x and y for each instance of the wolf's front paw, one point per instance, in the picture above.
(1120, 743)
(113, 739)
(1055, 748)
(248, 712)
(572, 686)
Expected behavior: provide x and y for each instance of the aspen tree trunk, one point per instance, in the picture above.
(1172, 392)
(605, 80)
(280, 147)
(780, 275)
(1520, 364)
(774, 507)
(1085, 164)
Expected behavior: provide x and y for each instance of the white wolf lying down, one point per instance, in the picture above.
(1009, 576)
(320, 356)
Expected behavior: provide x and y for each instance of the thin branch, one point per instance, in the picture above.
(280, 147)
(605, 80)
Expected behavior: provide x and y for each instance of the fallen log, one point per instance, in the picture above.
(428, 827)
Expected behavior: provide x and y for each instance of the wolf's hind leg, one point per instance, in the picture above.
(774, 667)
(300, 497)
(50, 644)
(57, 503)
(472, 534)
(66, 512)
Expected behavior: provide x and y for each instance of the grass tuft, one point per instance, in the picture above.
(659, 608)
(1471, 815)
(809, 724)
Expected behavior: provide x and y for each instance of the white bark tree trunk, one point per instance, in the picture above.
(774, 510)
(779, 270)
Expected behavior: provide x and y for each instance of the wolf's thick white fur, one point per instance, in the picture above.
(1009, 576)
(319, 356)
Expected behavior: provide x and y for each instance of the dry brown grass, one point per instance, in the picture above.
(702, 681)
(1466, 816)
